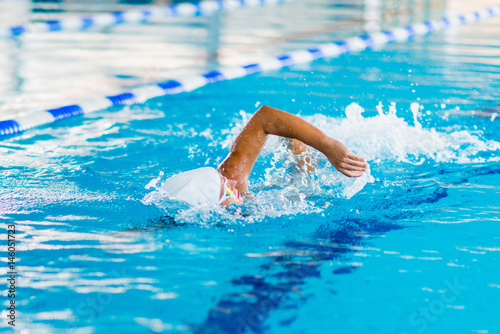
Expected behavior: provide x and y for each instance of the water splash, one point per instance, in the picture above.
(286, 173)
(415, 107)
(284, 189)
(154, 182)
(389, 137)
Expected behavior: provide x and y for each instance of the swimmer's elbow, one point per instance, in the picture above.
(264, 110)
(264, 116)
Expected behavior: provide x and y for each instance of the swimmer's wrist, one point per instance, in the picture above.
(327, 143)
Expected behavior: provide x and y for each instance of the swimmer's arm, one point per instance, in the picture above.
(302, 154)
(270, 121)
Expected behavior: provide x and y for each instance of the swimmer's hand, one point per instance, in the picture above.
(343, 160)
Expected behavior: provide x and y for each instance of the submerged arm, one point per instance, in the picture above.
(302, 153)
(270, 121)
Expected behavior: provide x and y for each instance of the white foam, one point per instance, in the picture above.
(286, 190)
(389, 137)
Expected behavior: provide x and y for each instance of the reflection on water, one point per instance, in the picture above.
(46, 70)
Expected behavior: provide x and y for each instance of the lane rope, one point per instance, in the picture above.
(137, 16)
(186, 84)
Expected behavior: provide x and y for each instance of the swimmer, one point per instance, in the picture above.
(228, 184)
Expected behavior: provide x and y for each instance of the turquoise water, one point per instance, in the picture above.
(411, 247)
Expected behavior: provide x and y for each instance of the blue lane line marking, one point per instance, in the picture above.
(252, 68)
(367, 39)
(214, 76)
(410, 30)
(66, 112)
(54, 25)
(390, 35)
(317, 53)
(171, 87)
(286, 60)
(9, 128)
(17, 31)
(173, 10)
(87, 22)
(125, 98)
(445, 21)
(198, 9)
(344, 47)
(146, 13)
(429, 25)
(119, 17)
(220, 4)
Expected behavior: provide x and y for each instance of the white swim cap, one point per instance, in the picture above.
(194, 186)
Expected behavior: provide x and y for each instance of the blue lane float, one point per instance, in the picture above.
(187, 84)
(136, 16)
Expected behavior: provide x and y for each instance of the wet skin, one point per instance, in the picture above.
(238, 164)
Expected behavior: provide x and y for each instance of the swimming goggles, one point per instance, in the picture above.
(227, 192)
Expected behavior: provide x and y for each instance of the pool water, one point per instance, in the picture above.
(410, 247)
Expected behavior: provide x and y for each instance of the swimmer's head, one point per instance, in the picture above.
(202, 185)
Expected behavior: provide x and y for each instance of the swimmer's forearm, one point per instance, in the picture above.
(247, 146)
(302, 154)
(281, 123)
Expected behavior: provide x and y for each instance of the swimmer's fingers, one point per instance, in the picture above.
(359, 160)
(350, 173)
(353, 168)
(353, 165)
(356, 165)
(345, 161)
(356, 162)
